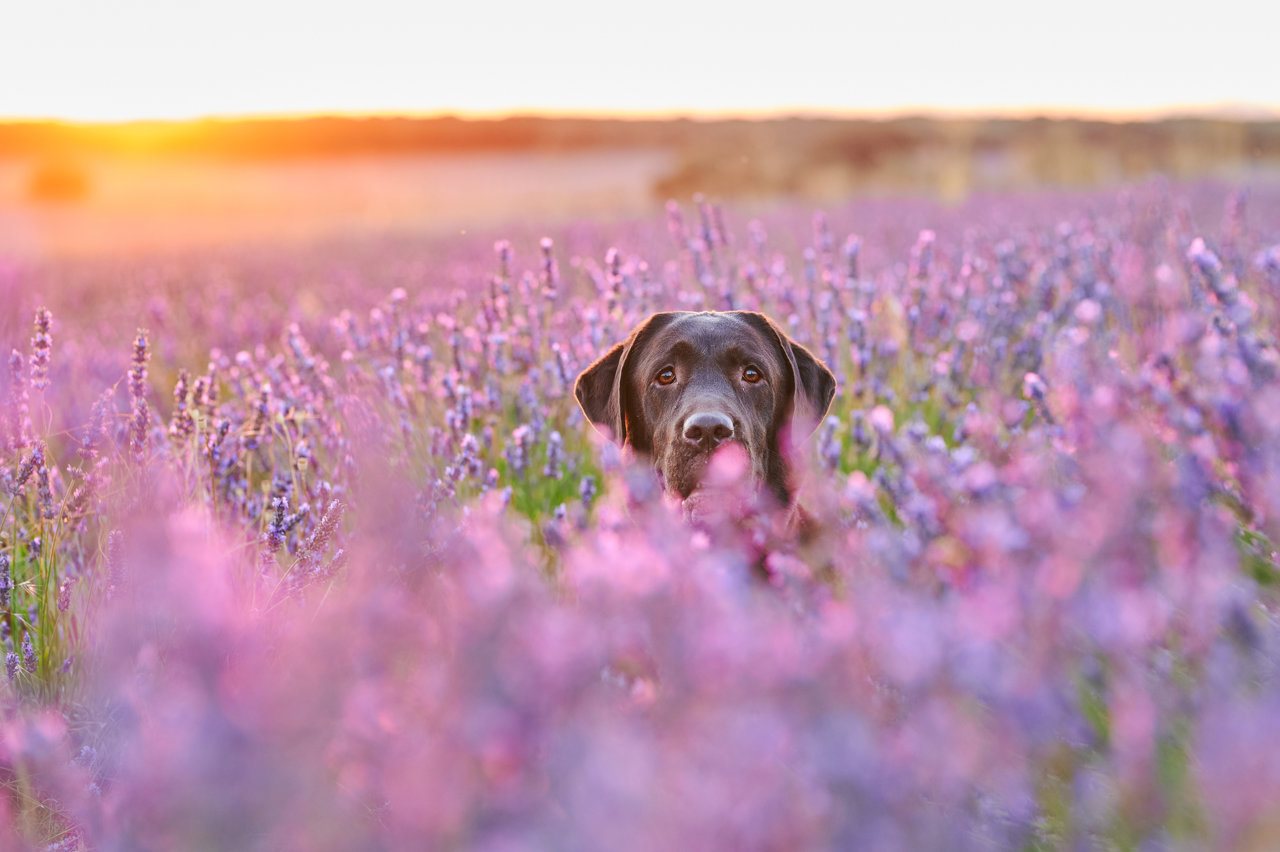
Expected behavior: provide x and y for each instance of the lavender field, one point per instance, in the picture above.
(314, 550)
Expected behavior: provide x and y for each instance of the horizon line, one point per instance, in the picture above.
(1221, 111)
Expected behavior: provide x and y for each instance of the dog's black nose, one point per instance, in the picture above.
(708, 429)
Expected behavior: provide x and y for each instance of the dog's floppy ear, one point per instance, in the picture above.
(595, 390)
(601, 389)
(814, 385)
(817, 380)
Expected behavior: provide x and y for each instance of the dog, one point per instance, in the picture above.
(685, 384)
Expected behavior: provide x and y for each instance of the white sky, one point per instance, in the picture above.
(99, 60)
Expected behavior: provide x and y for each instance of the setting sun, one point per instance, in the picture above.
(140, 60)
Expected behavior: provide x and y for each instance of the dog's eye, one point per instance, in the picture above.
(751, 375)
(667, 376)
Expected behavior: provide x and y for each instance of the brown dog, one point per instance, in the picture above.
(685, 383)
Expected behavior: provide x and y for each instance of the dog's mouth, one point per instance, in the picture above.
(683, 475)
(724, 469)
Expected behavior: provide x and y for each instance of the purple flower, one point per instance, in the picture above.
(44, 493)
(181, 424)
(829, 447)
(282, 522)
(138, 371)
(922, 255)
(555, 456)
(41, 345)
(258, 424)
(28, 653)
(1211, 271)
(852, 248)
(550, 271)
(16, 405)
(587, 491)
(517, 451)
(503, 249)
(31, 464)
(141, 425)
(96, 430)
(310, 552)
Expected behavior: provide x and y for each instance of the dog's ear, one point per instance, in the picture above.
(817, 380)
(595, 390)
(814, 386)
(603, 391)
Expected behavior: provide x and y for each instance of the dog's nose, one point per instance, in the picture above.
(708, 429)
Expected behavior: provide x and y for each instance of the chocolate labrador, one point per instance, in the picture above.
(684, 384)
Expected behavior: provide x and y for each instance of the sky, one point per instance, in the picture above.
(94, 60)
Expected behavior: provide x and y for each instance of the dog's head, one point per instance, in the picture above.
(684, 384)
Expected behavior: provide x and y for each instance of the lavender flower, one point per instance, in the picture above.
(517, 451)
(613, 277)
(44, 493)
(922, 255)
(1034, 389)
(31, 464)
(138, 372)
(555, 456)
(141, 426)
(16, 409)
(562, 368)
(829, 447)
(503, 249)
(550, 272)
(96, 430)
(28, 653)
(207, 395)
(258, 425)
(1268, 262)
(181, 424)
(1211, 271)
(852, 248)
(587, 491)
(213, 445)
(282, 522)
(315, 544)
(41, 344)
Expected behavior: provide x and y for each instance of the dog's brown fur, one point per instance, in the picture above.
(685, 383)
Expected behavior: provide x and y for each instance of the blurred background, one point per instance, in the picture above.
(135, 129)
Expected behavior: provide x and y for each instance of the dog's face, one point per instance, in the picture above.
(685, 384)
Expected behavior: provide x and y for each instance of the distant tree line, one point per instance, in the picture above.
(795, 156)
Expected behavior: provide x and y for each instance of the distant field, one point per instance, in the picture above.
(166, 186)
(142, 205)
